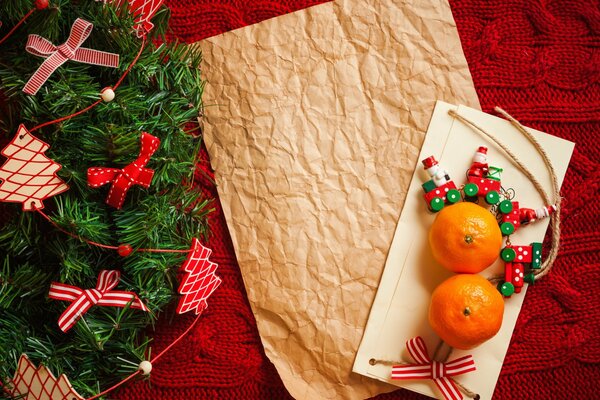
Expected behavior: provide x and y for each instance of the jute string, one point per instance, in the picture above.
(554, 218)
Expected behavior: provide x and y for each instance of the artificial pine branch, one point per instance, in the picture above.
(161, 94)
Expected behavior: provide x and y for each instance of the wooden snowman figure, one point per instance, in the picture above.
(439, 175)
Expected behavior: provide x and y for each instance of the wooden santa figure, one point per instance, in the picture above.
(479, 167)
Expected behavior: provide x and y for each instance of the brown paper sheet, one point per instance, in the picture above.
(314, 122)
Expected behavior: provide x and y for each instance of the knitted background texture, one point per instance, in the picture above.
(540, 61)
(537, 59)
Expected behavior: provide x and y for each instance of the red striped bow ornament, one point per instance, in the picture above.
(82, 300)
(135, 173)
(428, 369)
(70, 50)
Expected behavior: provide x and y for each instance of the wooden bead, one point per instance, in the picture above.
(124, 250)
(505, 206)
(492, 197)
(453, 196)
(507, 228)
(471, 189)
(107, 94)
(145, 367)
(436, 204)
(508, 254)
(41, 4)
(506, 288)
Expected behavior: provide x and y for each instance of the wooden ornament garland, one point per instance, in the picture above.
(29, 177)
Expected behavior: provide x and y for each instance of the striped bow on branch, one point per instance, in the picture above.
(70, 50)
(438, 371)
(83, 300)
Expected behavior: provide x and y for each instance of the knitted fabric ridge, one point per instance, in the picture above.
(540, 61)
(537, 59)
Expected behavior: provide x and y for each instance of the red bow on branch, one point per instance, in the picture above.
(70, 50)
(122, 179)
(427, 369)
(83, 300)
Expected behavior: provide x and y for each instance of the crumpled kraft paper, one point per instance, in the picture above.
(314, 122)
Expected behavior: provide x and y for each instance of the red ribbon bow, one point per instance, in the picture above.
(70, 50)
(122, 179)
(83, 300)
(427, 369)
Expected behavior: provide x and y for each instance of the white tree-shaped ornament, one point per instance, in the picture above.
(37, 383)
(28, 176)
(199, 281)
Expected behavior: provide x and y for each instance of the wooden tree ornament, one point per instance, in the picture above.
(37, 383)
(199, 281)
(28, 176)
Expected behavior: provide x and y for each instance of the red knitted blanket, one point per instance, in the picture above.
(540, 61)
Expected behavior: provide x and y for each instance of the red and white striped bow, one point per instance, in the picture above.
(83, 300)
(428, 369)
(135, 173)
(70, 50)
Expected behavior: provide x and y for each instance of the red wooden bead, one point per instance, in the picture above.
(41, 4)
(124, 250)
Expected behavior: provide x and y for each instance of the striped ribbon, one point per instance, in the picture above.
(439, 372)
(135, 173)
(83, 300)
(70, 50)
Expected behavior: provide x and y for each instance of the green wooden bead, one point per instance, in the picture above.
(492, 197)
(453, 196)
(508, 254)
(507, 228)
(428, 186)
(436, 204)
(506, 206)
(536, 256)
(471, 189)
(506, 288)
(529, 278)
